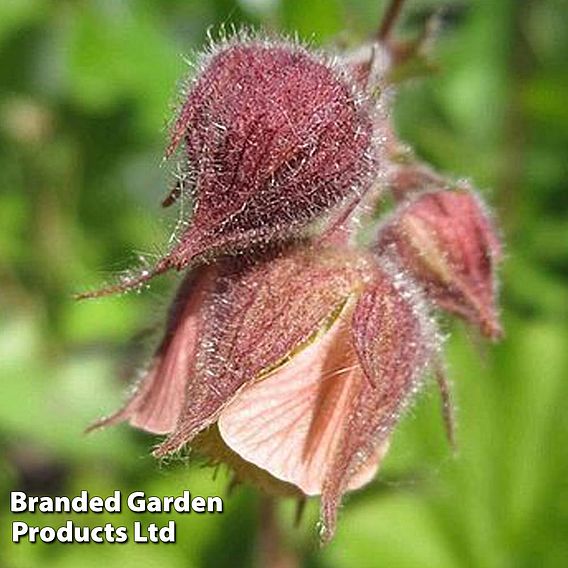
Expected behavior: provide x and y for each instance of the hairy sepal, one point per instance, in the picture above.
(263, 311)
(395, 339)
(157, 400)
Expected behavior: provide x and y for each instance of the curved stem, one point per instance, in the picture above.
(389, 19)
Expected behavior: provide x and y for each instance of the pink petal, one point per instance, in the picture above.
(290, 422)
(394, 340)
(262, 311)
(157, 402)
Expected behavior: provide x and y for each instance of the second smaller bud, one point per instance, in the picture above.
(447, 241)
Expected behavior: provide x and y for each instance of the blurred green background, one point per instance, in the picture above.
(85, 90)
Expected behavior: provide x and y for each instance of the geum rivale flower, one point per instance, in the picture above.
(272, 137)
(299, 361)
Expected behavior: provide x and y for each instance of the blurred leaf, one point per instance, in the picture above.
(322, 20)
(16, 14)
(115, 53)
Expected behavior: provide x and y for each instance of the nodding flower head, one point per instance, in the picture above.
(273, 137)
(447, 241)
(290, 351)
(300, 363)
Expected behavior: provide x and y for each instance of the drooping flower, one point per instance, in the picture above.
(289, 353)
(448, 242)
(302, 361)
(273, 137)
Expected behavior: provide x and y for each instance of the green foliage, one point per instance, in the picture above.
(85, 90)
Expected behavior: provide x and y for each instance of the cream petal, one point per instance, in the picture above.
(290, 422)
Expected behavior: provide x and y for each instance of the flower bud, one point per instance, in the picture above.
(274, 136)
(447, 241)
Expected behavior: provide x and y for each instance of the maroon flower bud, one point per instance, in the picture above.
(447, 241)
(274, 136)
